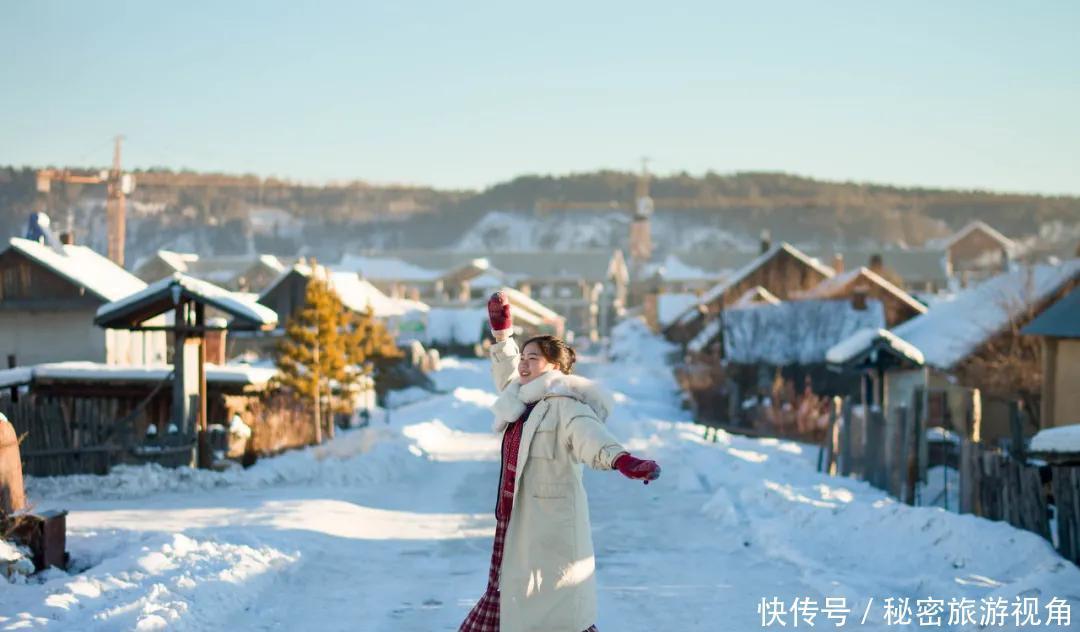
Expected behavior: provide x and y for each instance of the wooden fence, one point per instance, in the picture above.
(72, 435)
(891, 452)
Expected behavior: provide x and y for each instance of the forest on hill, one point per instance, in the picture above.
(426, 217)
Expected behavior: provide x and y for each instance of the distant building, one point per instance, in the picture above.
(862, 283)
(241, 273)
(977, 251)
(49, 295)
(782, 270)
(588, 288)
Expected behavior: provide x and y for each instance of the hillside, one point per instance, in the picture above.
(210, 212)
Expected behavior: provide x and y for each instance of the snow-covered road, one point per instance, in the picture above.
(390, 528)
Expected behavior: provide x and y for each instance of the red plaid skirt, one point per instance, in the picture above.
(484, 617)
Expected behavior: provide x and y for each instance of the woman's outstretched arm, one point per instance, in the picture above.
(504, 353)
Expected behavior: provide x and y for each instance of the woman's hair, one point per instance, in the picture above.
(554, 351)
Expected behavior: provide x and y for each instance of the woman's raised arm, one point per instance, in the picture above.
(504, 353)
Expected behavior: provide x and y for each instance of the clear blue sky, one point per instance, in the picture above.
(958, 94)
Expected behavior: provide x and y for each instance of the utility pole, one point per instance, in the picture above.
(115, 206)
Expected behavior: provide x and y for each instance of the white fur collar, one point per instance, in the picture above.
(511, 401)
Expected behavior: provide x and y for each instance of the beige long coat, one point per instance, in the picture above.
(547, 582)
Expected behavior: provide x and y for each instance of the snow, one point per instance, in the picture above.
(456, 326)
(389, 528)
(82, 266)
(229, 302)
(95, 371)
(360, 295)
(861, 340)
(669, 306)
(673, 269)
(16, 376)
(794, 332)
(952, 329)
(1059, 439)
(385, 268)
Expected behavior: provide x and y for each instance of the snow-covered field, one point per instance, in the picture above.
(389, 528)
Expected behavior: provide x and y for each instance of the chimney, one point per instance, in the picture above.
(67, 238)
(838, 262)
(766, 241)
(858, 299)
(877, 264)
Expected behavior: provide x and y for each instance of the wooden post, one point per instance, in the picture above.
(910, 465)
(1016, 427)
(845, 437)
(1066, 486)
(206, 457)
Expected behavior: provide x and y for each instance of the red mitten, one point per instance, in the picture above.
(499, 312)
(635, 468)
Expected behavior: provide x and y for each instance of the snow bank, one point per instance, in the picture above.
(146, 581)
(365, 455)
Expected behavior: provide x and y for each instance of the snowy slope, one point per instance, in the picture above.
(390, 529)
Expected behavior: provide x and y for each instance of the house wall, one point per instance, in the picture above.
(1065, 384)
(40, 336)
(37, 337)
(976, 251)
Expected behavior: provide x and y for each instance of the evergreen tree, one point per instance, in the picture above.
(329, 347)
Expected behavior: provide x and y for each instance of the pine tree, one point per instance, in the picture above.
(326, 345)
(311, 354)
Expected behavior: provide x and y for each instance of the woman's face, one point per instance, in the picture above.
(532, 363)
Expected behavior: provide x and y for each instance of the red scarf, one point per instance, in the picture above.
(511, 444)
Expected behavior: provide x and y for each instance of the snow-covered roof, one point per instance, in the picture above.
(669, 306)
(162, 291)
(1057, 439)
(864, 339)
(675, 269)
(953, 329)
(980, 225)
(756, 295)
(832, 287)
(360, 295)
(456, 326)
(83, 267)
(521, 299)
(794, 332)
(705, 337)
(742, 273)
(177, 260)
(386, 268)
(96, 371)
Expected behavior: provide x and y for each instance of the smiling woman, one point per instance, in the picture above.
(542, 573)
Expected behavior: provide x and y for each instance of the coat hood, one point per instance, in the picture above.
(511, 401)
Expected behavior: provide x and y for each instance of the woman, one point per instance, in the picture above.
(542, 569)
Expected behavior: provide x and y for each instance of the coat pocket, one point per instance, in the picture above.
(554, 501)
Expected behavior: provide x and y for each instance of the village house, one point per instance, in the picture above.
(971, 341)
(782, 270)
(977, 251)
(587, 288)
(863, 283)
(241, 273)
(1058, 330)
(49, 293)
